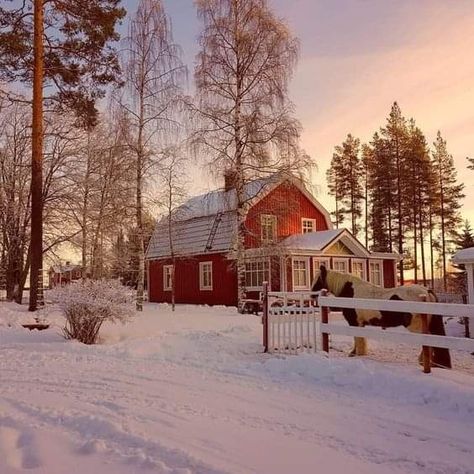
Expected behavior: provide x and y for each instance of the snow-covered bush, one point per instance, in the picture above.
(87, 304)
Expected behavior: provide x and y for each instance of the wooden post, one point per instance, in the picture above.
(325, 320)
(426, 349)
(265, 316)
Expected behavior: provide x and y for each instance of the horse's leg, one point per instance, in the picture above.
(360, 346)
(441, 357)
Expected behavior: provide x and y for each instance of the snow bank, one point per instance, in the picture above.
(191, 392)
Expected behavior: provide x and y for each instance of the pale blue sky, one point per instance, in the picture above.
(358, 56)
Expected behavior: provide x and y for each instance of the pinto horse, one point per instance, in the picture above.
(350, 286)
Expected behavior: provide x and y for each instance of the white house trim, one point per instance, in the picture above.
(202, 269)
(308, 276)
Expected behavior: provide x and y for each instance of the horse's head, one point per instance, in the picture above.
(320, 279)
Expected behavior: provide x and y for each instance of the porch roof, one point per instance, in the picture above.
(464, 256)
(314, 241)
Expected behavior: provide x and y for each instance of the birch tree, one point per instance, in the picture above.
(154, 74)
(174, 187)
(243, 115)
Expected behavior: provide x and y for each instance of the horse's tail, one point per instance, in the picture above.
(441, 356)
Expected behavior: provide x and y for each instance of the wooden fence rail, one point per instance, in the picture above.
(292, 322)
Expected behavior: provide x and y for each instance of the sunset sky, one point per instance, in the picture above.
(358, 57)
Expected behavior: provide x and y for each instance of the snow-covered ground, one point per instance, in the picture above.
(191, 392)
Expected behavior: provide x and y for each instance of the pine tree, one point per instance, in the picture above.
(334, 176)
(367, 157)
(65, 44)
(395, 136)
(344, 182)
(381, 196)
(449, 194)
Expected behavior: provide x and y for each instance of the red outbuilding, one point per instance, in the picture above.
(289, 234)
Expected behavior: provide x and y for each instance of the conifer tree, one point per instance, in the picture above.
(381, 196)
(64, 44)
(335, 178)
(449, 193)
(344, 181)
(366, 165)
(395, 136)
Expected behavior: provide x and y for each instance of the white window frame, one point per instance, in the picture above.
(257, 261)
(345, 261)
(267, 220)
(306, 220)
(364, 267)
(380, 263)
(300, 259)
(202, 269)
(168, 270)
(317, 262)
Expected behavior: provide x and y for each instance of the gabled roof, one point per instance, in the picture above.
(194, 220)
(220, 200)
(322, 241)
(316, 241)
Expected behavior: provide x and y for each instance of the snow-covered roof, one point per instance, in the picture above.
(464, 256)
(191, 236)
(220, 200)
(194, 220)
(312, 240)
(65, 268)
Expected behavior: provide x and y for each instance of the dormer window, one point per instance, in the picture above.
(308, 225)
(268, 224)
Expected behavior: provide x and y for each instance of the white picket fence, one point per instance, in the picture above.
(293, 324)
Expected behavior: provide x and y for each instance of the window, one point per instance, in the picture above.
(300, 274)
(339, 265)
(375, 273)
(317, 262)
(256, 272)
(205, 275)
(308, 225)
(358, 268)
(167, 277)
(269, 228)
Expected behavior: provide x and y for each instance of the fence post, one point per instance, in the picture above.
(325, 320)
(426, 349)
(265, 316)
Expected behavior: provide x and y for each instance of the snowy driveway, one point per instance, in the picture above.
(189, 393)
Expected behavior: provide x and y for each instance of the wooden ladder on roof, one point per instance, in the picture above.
(212, 234)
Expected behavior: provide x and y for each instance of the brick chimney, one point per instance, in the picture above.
(230, 178)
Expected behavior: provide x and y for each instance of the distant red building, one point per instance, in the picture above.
(289, 235)
(63, 274)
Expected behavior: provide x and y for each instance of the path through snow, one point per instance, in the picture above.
(190, 393)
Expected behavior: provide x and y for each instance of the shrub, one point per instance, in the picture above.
(88, 304)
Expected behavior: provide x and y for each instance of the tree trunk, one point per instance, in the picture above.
(37, 159)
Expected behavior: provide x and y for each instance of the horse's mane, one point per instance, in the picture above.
(337, 280)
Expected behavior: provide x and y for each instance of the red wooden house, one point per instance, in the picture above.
(289, 235)
(60, 275)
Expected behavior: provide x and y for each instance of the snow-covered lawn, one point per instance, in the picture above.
(191, 392)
